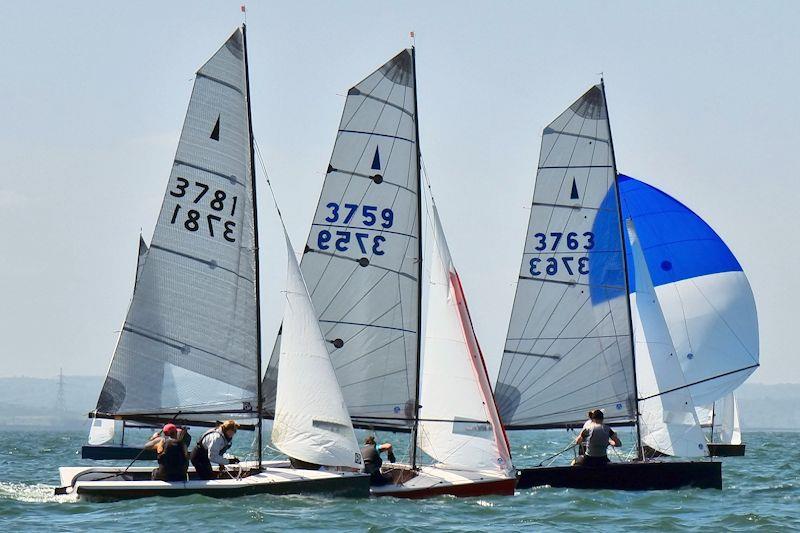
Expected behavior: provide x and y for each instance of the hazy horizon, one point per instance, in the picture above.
(96, 93)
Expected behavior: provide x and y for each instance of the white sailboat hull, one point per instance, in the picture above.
(275, 477)
(430, 481)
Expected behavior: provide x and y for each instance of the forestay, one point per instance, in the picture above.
(703, 291)
(668, 421)
(361, 261)
(311, 419)
(459, 423)
(568, 347)
(192, 319)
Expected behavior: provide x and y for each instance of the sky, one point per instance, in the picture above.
(94, 93)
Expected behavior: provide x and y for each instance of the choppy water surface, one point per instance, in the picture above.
(761, 491)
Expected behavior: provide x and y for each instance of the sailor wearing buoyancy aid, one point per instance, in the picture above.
(211, 447)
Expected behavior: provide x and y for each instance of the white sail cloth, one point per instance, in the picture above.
(311, 419)
(727, 429)
(101, 432)
(668, 420)
(192, 319)
(459, 423)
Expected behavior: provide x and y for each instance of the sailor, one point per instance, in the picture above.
(596, 436)
(173, 457)
(371, 455)
(211, 447)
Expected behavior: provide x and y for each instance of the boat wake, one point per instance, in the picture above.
(38, 493)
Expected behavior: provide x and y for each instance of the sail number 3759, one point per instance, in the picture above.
(569, 264)
(371, 218)
(218, 201)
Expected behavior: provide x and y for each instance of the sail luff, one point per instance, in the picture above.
(260, 395)
(626, 276)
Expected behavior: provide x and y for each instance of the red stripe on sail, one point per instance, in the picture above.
(479, 366)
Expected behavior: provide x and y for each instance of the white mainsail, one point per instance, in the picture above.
(192, 318)
(568, 347)
(459, 423)
(361, 261)
(311, 419)
(668, 421)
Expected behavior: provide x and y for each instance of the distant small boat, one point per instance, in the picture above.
(590, 325)
(363, 265)
(189, 351)
(725, 434)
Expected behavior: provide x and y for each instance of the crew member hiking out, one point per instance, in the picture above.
(371, 455)
(173, 457)
(211, 447)
(596, 436)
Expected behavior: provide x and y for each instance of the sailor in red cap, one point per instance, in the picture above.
(173, 457)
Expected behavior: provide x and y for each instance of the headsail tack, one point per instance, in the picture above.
(193, 313)
(361, 261)
(568, 347)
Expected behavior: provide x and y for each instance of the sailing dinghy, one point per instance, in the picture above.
(582, 335)
(725, 433)
(363, 266)
(189, 350)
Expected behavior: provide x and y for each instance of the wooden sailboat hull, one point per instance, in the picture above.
(101, 484)
(429, 481)
(650, 475)
(726, 450)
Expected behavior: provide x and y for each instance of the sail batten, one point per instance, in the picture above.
(361, 259)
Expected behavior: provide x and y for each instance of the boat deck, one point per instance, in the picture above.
(274, 478)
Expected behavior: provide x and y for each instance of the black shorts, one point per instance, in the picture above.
(588, 460)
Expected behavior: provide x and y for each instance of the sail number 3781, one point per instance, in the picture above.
(569, 264)
(192, 220)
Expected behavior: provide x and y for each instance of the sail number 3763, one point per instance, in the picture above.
(192, 220)
(569, 264)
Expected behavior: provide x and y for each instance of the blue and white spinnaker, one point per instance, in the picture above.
(703, 291)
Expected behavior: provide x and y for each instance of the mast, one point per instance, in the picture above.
(419, 266)
(625, 270)
(260, 400)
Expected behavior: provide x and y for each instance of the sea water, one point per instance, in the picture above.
(761, 491)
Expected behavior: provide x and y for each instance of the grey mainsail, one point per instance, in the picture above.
(362, 257)
(193, 316)
(568, 347)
